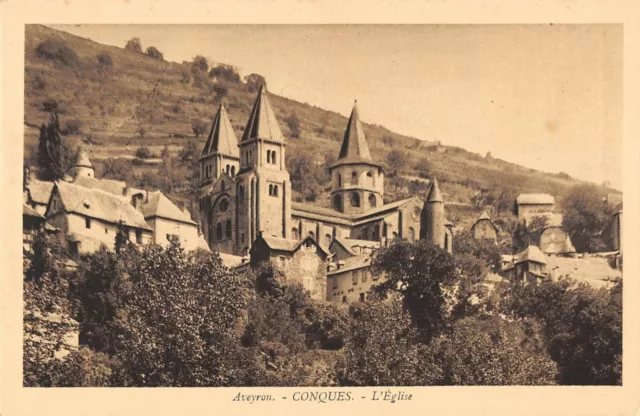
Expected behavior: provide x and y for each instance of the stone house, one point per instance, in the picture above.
(303, 262)
(528, 206)
(484, 228)
(349, 280)
(529, 265)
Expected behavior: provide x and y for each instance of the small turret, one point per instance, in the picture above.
(432, 222)
(83, 166)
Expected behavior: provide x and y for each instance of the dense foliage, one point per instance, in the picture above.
(55, 157)
(585, 218)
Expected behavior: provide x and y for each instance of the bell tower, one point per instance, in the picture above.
(358, 181)
(263, 187)
(432, 218)
(220, 153)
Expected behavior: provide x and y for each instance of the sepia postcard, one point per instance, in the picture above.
(288, 206)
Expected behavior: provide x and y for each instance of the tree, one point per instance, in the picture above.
(528, 233)
(73, 126)
(134, 45)
(176, 324)
(199, 127)
(220, 90)
(582, 327)
(200, 63)
(225, 72)
(57, 51)
(384, 349)
(55, 158)
(154, 53)
(255, 81)
(143, 152)
(484, 249)
(396, 160)
(494, 352)
(105, 60)
(142, 131)
(585, 216)
(293, 122)
(419, 272)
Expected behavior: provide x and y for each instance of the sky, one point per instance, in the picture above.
(547, 97)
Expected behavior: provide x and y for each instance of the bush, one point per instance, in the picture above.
(141, 131)
(226, 72)
(396, 159)
(58, 51)
(38, 83)
(220, 90)
(200, 63)
(185, 78)
(134, 45)
(73, 126)
(105, 61)
(254, 82)
(198, 127)
(293, 122)
(52, 106)
(143, 152)
(154, 53)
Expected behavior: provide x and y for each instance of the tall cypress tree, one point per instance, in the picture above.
(54, 157)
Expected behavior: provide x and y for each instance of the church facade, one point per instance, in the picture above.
(245, 192)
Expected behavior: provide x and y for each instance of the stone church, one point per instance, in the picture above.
(246, 193)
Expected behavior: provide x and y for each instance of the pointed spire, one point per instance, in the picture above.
(82, 159)
(222, 139)
(484, 216)
(262, 121)
(434, 193)
(354, 145)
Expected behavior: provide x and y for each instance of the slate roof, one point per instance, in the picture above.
(531, 253)
(535, 199)
(99, 204)
(222, 139)
(434, 193)
(285, 244)
(262, 121)
(354, 145)
(485, 217)
(352, 263)
(159, 205)
(348, 244)
(108, 185)
(30, 212)
(302, 210)
(40, 191)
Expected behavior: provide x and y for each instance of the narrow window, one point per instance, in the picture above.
(294, 234)
(339, 180)
(139, 236)
(270, 189)
(364, 275)
(106, 231)
(268, 156)
(355, 199)
(337, 203)
(233, 171)
(354, 277)
(219, 231)
(275, 190)
(372, 201)
(87, 222)
(273, 157)
(354, 178)
(412, 234)
(361, 297)
(327, 239)
(335, 282)
(228, 228)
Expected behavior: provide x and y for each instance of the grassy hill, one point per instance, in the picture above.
(115, 103)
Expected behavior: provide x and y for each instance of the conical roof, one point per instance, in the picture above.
(354, 145)
(434, 193)
(484, 216)
(222, 139)
(262, 121)
(82, 159)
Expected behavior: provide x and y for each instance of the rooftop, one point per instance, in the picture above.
(158, 205)
(262, 121)
(535, 199)
(352, 263)
(222, 139)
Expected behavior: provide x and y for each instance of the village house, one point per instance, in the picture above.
(529, 206)
(245, 192)
(32, 223)
(527, 266)
(484, 228)
(554, 241)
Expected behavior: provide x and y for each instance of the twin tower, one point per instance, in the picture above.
(245, 187)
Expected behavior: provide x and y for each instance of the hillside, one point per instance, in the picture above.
(113, 102)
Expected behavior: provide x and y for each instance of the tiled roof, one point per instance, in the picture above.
(535, 199)
(159, 205)
(300, 210)
(40, 191)
(99, 204)
(262, 121)
(108, 185)
(222, 139)
(349, 244)
(282, 244)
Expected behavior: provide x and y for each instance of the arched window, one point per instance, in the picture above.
(354, 178)
(275, 190)
(273, 157)
(219, 231)
(354, 197)
(268, 156)
(246, 157)
(446, 241)
(339, 180)
(384, 229)
(228, 169)
(375, 233)
(337, 202)
(372, 201)
(224, 204)
(233, 171)
(364, 275)
(270, 189)
(228, 229)
(294, 233)
(327, 239)
(412, 234)
(240, 193)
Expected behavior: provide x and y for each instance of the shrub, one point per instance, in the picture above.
(38, 83)
(154, 53)
(73, 126)
(221, 91)
(254, 81)
(293, 122)
(58, 51)
(200, 63)
(52, 106)
(143, 152)
(141, 131)
(105, 60)
(134, 45)
(185, 78)
(199, 127)
(226, 72)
